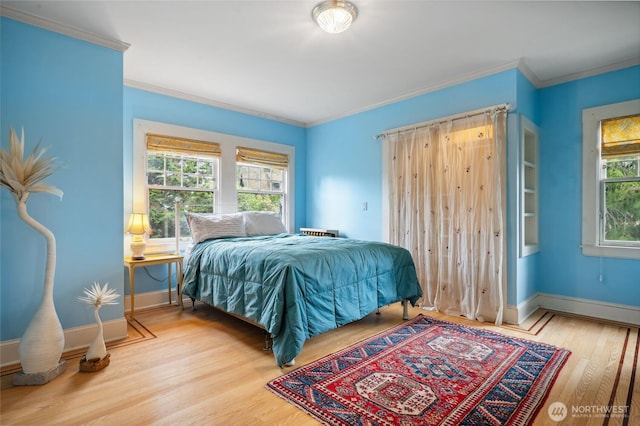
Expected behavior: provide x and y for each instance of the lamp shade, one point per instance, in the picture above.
(334, 16)
(138, 224)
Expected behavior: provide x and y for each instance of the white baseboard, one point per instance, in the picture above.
(74, 338)
(591, 308)
(150, 299)
(81, 337)
(517, 314)
(154, 298)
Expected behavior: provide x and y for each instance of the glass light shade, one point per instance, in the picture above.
(138, 224)
(334, 16)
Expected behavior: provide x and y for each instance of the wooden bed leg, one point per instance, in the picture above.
(405, 309)
(378, 311)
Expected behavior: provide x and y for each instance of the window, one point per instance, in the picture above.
(260, 180)
(203, 169)
(611, 180)
(179, 170)
(620, 180)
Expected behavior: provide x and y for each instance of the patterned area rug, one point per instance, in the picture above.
(427, 372)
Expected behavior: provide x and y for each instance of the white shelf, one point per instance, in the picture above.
(529, 237)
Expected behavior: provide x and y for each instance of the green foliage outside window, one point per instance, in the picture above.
(162, 210)
(250, 202)
(170, 177)
(259, 188)
(622, 199)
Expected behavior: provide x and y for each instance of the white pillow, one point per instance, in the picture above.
(263, 223)
(206, 226)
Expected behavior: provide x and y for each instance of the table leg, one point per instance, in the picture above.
(179, 284)
(169, 280)
(132, 288)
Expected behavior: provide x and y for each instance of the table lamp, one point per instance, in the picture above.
(138, 226)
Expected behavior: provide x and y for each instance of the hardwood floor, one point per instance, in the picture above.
(207, 368)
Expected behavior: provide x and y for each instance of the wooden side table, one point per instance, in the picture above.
(154, 259)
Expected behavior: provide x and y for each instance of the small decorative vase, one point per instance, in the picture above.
(97, 357)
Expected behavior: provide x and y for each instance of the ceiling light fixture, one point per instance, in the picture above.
(334, 16)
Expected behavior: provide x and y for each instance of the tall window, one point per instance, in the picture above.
(620, 180)
(611, 180)
(261, 180)
(181, 170)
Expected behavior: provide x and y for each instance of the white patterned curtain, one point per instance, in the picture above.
(446, 195)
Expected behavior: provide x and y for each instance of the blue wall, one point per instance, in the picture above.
(67, 94)
(563, 269)
(140, 104)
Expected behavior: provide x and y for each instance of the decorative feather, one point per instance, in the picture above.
(25, 177)
(99, 296)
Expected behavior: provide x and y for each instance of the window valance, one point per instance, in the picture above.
(160, 143)
(266, 158)
(620, 136)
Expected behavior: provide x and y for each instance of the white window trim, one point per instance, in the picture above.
(227, 197)
(591, 202)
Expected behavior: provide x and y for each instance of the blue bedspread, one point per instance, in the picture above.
(298, 286)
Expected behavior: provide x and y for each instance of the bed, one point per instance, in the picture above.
(293, 286)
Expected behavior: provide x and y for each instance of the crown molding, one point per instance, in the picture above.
(207, 101)
(47, 24)
(519, 64)
(590, 73)
(443, 85)
(529, 74)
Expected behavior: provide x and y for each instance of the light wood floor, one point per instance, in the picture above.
(206, 368)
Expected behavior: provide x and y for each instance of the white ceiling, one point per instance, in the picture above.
(269, 58)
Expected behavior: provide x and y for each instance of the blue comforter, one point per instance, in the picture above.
(298, 286)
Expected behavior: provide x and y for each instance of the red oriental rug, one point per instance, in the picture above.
(427, 372)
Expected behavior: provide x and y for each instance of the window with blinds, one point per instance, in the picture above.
(261, 180)
(179, 169)
(620, 180)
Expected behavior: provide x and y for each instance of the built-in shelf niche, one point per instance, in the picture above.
(529, 237)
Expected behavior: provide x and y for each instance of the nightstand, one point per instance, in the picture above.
(149, 260)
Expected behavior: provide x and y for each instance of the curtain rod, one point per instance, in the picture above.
(500, 107)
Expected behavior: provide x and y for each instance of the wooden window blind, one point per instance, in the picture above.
(265, 158)
(168, 144)
(620, 136)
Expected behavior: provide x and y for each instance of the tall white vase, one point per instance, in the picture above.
(41, 345)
